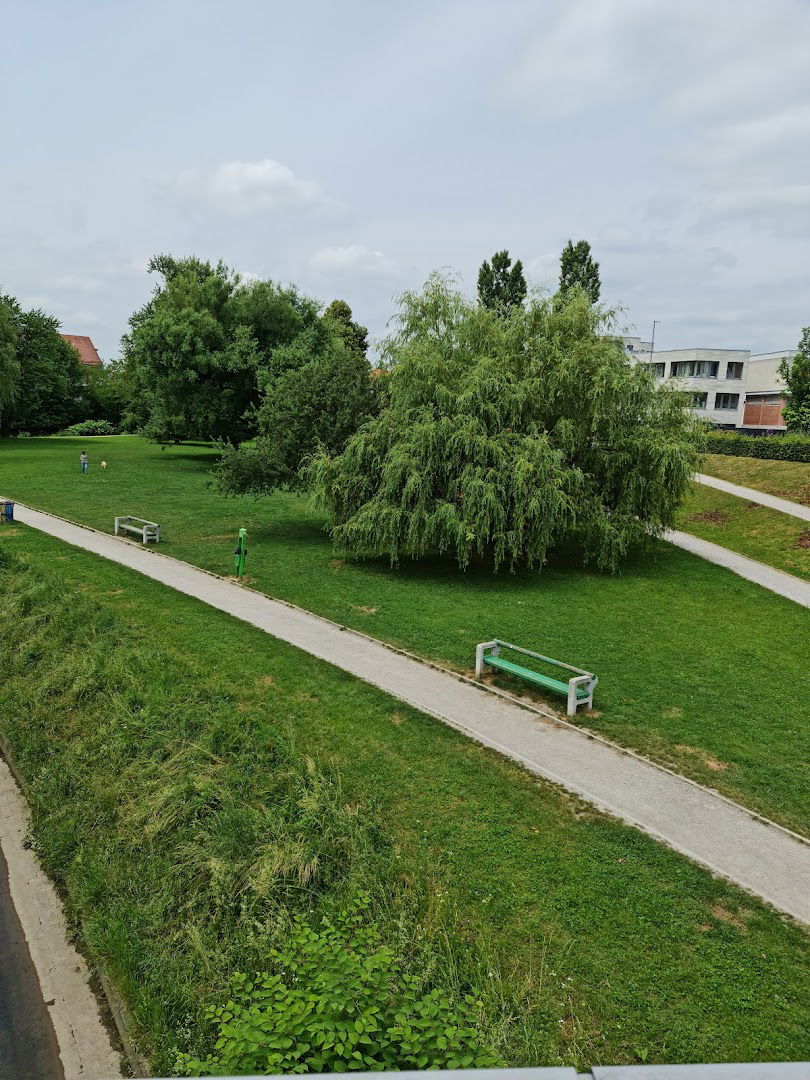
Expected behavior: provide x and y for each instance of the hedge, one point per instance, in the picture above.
(91, 427)
(778, 447)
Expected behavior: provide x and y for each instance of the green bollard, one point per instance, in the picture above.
(240, 553)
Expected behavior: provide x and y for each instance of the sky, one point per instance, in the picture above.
(353, 147)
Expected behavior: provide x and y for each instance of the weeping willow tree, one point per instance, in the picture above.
(505, 435)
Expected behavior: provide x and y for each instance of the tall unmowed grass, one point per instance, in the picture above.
(192, 842)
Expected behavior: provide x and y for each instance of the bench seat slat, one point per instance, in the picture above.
(532, 676)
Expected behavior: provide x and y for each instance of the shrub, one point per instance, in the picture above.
(776, 447)
(91, 427)
(339, 997)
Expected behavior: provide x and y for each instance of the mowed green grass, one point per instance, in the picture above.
(786, 479)
(619, 949)
(757, 531)
(698, 668)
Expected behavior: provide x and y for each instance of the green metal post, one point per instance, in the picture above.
(240, 553)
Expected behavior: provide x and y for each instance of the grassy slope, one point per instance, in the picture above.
(693, 661)
(148, 727)
(752, 530)
(787, 479)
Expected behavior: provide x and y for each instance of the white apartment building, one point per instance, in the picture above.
(730, 388)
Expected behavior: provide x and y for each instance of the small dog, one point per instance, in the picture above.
(104, 464)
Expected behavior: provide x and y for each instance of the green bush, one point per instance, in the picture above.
(776, 447)
(340, 998)
(91, 427)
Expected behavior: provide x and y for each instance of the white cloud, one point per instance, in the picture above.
(246, 187)
(351, 261)
(78, 283)
(76, 322)
(725, 88)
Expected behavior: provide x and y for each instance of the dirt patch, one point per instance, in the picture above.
(673, 712)
(710, 517)
(337, 564)
(10, 532)
(397, 718)
(267, 680)
(722, 914)
(803, 539)
(753, 506)
(363, 609)
(705, 758)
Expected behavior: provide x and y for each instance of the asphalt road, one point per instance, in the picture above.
(28, 1046)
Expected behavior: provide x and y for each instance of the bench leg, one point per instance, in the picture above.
(493, 647)
(573, 701)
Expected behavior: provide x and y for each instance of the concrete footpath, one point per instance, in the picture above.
(763, 858)
(784, 506)
(777, 581)
(50, 1026)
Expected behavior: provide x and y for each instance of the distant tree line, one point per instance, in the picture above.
(43, 387)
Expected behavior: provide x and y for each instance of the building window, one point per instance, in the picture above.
(694, 369)
(726, 401)
(734, 370)
(706, 369)
(657, 370)
(699, 400)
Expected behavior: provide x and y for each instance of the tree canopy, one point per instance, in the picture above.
(9, 364)
(501, 286)
(40, 374)
(316, 401)
(796, 374)
(504, 436)
(577, 268)
(195, 351)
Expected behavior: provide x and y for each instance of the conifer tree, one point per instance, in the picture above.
(577, 267)
(501, 286)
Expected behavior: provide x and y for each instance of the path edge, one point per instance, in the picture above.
(118, 1010)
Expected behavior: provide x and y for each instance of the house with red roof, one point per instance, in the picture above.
(88, 356)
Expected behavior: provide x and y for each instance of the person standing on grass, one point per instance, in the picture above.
(83, 460)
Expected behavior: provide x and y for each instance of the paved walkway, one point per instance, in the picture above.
(784, 506)
(767, 860)
(777, 581)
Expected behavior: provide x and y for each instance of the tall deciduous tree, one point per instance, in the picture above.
(578, 268)
(501, 286)
(314, 406)
(505, 435)
(196, 350)
(796, 375)
(9, 364)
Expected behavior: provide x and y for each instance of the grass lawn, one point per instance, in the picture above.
(151, 730)
(760, 533)
(787, 479)
(699, 669)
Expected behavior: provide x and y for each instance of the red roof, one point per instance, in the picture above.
(85, 348)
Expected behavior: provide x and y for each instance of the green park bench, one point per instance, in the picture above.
(578, 689)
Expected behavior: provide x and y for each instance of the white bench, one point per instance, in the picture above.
(147, 530)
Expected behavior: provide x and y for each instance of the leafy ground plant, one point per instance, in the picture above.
(339, 998)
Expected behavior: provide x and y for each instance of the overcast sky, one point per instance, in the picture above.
(352, 146)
